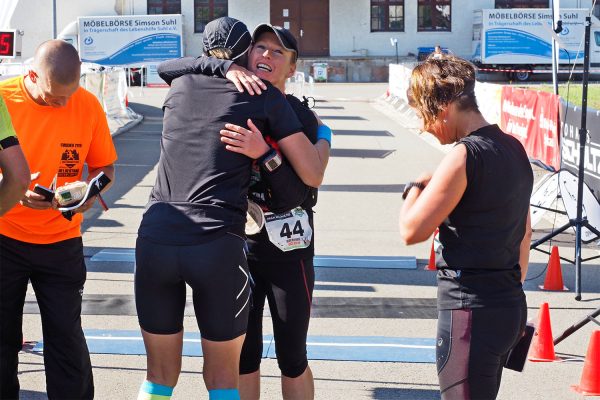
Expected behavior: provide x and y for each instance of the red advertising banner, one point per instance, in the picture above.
(532, 117)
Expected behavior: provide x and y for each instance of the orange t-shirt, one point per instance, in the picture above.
(56, 141)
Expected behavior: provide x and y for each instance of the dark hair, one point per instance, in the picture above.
(438, 82)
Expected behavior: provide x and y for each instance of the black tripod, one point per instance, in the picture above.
(579, 222)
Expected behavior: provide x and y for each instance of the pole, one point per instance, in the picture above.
(555, 45)
(54, 33)
(569, 331)
(580, 174)
(397, 60)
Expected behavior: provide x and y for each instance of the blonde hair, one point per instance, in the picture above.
(438, 82)
(221, 52)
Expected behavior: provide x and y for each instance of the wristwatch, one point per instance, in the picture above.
(271, 160)
(411, 185)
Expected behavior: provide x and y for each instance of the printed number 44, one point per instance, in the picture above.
(286, 232)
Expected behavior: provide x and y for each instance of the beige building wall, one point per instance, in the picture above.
(350, 25)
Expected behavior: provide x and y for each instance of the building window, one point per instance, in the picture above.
(207, 10)
(387, 15)
(522, 4)
(164, 7)
(434, 15)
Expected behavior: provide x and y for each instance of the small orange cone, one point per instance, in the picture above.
(431, 265)
(554, 280)
(589, 384)
(542, 345)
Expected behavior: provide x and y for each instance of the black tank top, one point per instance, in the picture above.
(482, 235)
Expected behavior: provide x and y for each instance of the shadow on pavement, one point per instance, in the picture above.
(138, 151)
(407, 394)
(31, 395)
(146, 110)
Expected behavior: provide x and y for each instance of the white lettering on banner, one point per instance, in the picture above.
(516, 129)
(570, 156)
(519, 111)
(547, 123)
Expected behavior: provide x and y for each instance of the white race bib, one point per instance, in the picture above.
(289, 230)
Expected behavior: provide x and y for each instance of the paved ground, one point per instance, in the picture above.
(356, 216)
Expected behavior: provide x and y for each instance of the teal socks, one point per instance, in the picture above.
(224, 394)
(155, 391)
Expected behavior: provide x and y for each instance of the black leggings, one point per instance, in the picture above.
(472, 347)
(288, 285)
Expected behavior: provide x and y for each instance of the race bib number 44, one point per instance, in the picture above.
(289, 230)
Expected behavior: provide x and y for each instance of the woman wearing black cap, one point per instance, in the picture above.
(192, 231)
(479, 198)
(280, 258)
(281, 264)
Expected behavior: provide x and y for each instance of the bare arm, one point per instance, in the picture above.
(524, 248)
(308, 160)
(15, 177)
(424, 210)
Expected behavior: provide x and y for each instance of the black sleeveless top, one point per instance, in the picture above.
(482, 235)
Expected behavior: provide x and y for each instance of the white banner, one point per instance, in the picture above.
(525, 35)
(6, 12)
(400, 79)
(489, 97)
(133, 39)
(488, 94)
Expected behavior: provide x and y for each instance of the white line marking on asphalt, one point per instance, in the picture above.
(404, 346)
(139, 339)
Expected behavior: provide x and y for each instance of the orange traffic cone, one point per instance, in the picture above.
(542, 345)
(590, 377)
(431, 265)
(554, 280)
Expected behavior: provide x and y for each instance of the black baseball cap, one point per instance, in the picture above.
(287, 40)
(229, 33)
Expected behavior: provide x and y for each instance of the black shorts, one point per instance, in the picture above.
(289, 287)
(472, 348)
(216, 271)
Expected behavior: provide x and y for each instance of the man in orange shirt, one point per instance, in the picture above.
(61, 127)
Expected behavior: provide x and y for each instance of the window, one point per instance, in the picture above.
(522, 4)
(164, 7)
(434, 15)
(207, 10)
(387, 15)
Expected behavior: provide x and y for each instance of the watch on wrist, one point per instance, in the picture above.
(410, 185)
(271, 160)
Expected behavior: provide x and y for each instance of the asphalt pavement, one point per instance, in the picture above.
(373, 155)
